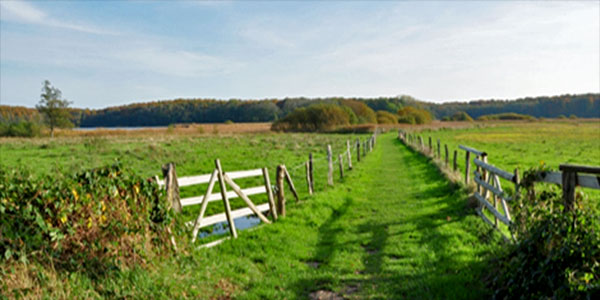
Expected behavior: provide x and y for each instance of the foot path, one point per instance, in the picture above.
(395, 228)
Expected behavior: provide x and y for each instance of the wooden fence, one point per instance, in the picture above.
(487, 177)
(276, 209)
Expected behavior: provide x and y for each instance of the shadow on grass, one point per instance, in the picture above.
(437, 222)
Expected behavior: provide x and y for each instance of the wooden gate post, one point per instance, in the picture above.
(172, 187)
(340, 158)
(357, 150)
(307, 165)
(349, 154)
(467, 166)
(280, 192)
(272, 205)
(225, 199)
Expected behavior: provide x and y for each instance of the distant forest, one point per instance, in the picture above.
(164, 113)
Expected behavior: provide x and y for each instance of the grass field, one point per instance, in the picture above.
(393, 228)
(523, 145)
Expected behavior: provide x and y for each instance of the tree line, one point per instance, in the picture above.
(164, 113)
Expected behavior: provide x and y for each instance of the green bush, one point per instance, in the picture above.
(385, 117)
(318, 117)
(94, 219)
(506, 116)
(414, 115)
(557, 253)
(458, 116)
(363, 112)
(20, 129)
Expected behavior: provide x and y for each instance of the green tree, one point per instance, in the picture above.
(54, 108)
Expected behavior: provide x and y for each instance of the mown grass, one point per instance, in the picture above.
(394, 228)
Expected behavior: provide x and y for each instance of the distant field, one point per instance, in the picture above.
(523, 145)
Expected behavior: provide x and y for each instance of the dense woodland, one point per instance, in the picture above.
(163, 113)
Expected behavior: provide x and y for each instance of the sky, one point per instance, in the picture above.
(109, 53)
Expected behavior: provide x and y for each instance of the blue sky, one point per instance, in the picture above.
(117, 52)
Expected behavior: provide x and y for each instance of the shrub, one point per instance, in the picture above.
(20, 129)
(228, 122)
(363, 112)
(94, 219)
(458, 116)
(573, 117)
(385, 117)
(506, 116)
(557, 254)
(414, 115)
(318, 117)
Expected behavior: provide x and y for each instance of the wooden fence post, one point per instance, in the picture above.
(364, 148)
(569, 181)
(430, 147)
(455, 167)
(467, 167)
(172, 187)
(272, 206)
(290, 183)
(341, 166)
(225, 199)
(307, 165)
(438, 152)
(357, 150)
(330, 165)
(349, 154)
(421, 141)
(311, 170)
(280, 192)
(446, 151)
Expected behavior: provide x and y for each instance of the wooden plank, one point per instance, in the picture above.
(244, 174)
(238, 213)
(236, 188)
(589, 181)
(495, 170)
(579, 168)
(205, 178)
(503, 199)
(272, 206)
(225, 199)
(213, 243)
(192, 180)
(198, 222)
(474, 151)
(290, 183)
(330, 166)
(217, 196)
(492, 209)
(485, 219)
(487, 186)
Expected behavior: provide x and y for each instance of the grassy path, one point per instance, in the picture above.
(394, 229)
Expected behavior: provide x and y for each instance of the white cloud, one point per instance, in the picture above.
(23, 12)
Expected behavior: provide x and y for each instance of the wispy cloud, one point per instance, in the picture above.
(24, 12)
